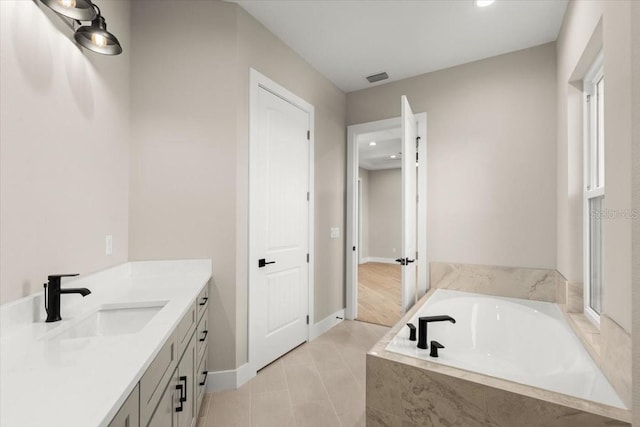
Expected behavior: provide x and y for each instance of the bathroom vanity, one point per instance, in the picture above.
(132, 353)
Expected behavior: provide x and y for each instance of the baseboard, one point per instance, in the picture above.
(229, 380)
(381, 260)
(325, 324)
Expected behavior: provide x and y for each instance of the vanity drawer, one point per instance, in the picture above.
(201, 378)
(186, 327)
(155, 379)
(203, 300)
(202, 335)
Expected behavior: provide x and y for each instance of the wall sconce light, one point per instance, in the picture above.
(79, 10)
(95, 36)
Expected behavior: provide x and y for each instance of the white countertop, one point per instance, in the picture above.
(83, 381)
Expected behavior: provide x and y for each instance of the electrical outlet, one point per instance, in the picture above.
(109, 244)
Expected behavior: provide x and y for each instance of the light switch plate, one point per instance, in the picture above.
(108, 244)
(335, 232)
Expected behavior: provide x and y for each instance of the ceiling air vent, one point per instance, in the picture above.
(377, 77)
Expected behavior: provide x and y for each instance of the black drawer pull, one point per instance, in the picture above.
(180, 408)
(185, 389)
(204, 300)
(204, 337)
(204, 381)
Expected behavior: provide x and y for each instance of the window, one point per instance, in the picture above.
(594, 201)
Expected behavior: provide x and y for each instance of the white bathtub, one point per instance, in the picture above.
(528, 342)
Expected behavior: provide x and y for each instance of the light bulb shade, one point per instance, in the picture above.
(96, 38)
(80, 10)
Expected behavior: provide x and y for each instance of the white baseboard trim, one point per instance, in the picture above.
(325, 324)
(382, 260)
(229, 380)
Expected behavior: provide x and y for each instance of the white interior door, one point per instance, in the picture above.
(279, 228)
(409, 135)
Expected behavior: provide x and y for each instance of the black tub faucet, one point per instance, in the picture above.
(52, 293)
(422, 327)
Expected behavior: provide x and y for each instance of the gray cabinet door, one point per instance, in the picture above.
(166, 414)
(186, 377)
(129, 414)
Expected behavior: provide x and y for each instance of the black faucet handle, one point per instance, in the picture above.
(435, 345)
(58, 276)
(412, 331)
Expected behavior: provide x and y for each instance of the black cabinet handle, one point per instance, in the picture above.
(204, 300)
(185, 389)
(204, 337)
(180, 408)
(204, 381)
(263, 262)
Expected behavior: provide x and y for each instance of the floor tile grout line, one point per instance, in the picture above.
(284, 374)
(325, 386)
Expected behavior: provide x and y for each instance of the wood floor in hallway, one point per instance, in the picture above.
(379, 293)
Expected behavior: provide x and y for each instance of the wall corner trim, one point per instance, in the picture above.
(325, 324)
(229, 380)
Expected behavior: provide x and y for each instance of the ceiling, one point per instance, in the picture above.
(346, 40)
(378, 156)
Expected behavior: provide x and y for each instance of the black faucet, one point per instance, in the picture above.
(422, 327)
(52, 293)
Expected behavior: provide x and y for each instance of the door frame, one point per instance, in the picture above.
(351, 240)
(257, 81)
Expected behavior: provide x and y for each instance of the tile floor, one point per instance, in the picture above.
(321, 383)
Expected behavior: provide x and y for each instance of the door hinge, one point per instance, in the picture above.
(307, 196)
(588, 98)
(307, 258)
(307, 319)
(308, 135)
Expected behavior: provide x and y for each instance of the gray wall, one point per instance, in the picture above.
(189, 156)
(64, 157)
(491, 155)
(385, 213)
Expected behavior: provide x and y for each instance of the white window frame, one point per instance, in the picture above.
(593, 183)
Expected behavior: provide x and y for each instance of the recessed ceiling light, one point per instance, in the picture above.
(372, 144)
(484, 3)
(393, 156)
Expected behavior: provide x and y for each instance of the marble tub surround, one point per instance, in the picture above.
(394, 381)
(561, 289)
(515, 282)
(575, 297)
(609, 345)
(83, 381)
(615, 360)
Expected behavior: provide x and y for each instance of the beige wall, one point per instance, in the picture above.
(385, 213)
(189, 175)
(581, 21)
(64, 127)
(183, 152)
(635, 278)
(363, 175)
(491, 155)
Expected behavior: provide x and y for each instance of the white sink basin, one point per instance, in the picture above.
(113, 319)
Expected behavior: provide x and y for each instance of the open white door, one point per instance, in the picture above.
(409, 205)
